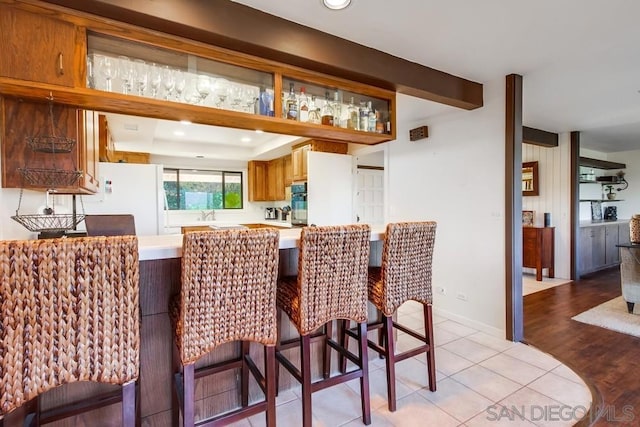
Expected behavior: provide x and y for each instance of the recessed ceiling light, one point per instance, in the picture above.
(131, 126)
(245, 139)
(185, 122)
(336, 4)
(259, 131)
(199, 157)
(178, 133)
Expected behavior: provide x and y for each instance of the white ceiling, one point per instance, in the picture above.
(580, 62)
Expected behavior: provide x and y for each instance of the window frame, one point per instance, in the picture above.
(223, 173)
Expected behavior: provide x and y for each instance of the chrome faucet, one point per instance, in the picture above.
(204, 215)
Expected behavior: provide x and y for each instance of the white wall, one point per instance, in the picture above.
(456, 177)
(631, 196)
(554, 181)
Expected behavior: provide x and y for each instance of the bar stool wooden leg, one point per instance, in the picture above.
(129, 404)
(344, 342)
(389, 355)
(431, 362)
(364, 379)
(270, 369)
(305, 366)
(188, 401)
(244, 373)
(326, 350)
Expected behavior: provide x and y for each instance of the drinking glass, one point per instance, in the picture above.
(91, 83)
(237, 95)
(109, 70)
(155, 78)
(125, 70)
(168, 81)
(221, 91)
(181, 82)
(251, 96)
(203, 86)
(141, 75)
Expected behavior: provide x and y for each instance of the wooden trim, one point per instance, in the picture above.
(376, 168)
(240, 28)
(534, 171)
(574, 218)
(597, 163)
(513, 208)
(539, 137)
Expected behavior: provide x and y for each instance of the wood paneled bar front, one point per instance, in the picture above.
(160, 266)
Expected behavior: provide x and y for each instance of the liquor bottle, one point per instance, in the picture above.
(352, 115)
(364, 116)
(327, 111)
(292, 104)
(314, 112)
(371, 125)
(303, 102)
(337, 109)
(379, 123)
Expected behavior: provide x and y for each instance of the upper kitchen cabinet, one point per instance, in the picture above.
(33, 158)
(299, 155)
(40, 48)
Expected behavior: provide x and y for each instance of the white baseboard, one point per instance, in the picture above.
(496, 332)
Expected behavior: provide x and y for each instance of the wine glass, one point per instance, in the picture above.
(251, 96)
(141, 75)
(155, 78)
(203, 86)
(125, 70)
(237, 94)
(221, 91)
(168, 81)
(181, 82)
(91, 82)
(109, 71)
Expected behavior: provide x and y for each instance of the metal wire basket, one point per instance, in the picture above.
(44, 222)
(51, 144)
(50, 178)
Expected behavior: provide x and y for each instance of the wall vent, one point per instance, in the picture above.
(419, 133)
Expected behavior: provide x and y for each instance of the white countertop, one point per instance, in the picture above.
(597, 223)
(170, 245)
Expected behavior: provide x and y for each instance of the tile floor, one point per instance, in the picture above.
(481, 381)
(531, 285)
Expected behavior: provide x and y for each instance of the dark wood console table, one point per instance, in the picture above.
(538, 249)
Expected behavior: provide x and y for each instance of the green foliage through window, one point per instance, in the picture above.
(202, 190)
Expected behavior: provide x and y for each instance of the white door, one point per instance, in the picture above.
(370, 196)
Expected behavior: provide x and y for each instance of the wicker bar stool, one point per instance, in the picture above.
(228, 293)
(69, 312)
(331, 284)
(405, 275)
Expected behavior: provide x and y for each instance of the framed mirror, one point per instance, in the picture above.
(530, 179)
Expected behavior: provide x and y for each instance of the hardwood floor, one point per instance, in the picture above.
(608, 361)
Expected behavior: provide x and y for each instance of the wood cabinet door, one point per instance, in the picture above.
(611, 238)
(585, 250)
(257, 175)
(275, 186)
(88, 150)
(299, 172)
(288, 170)
(598, 258)
(39, 48)
(529, 247)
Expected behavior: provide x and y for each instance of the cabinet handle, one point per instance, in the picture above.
(60, 66)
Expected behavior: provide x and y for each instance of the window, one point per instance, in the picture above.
(202, 190)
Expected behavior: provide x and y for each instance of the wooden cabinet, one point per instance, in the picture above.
(538, 249)
(21, 119)
(597, 246)
(275, 179)
(288, 170)
(266, 180)
(299, 155)
(39, 48)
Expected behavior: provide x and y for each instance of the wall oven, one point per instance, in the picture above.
(299, 204)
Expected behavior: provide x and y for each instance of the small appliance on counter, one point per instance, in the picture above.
(299, 204)
(284, 212)
(270, 213)
(611, 213)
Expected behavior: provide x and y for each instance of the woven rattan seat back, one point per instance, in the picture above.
(69, 312)
(406, 265)
(332, 275)
(228, 290)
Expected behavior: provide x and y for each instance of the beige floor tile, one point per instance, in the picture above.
(415, 411)
(512, 368)
(413, 373)
(450, 363)
(486, 382)
(533, 356)
(441, 337)
(336, 405)
(438, 319)
(567, 373)
(457, 399)
(498, 416)
(470, 350)
(410, 307)
(378, 388)
(241, 423)
(377, 420)
(413, 321)
(539, 408)
(287, 415)
(495, 343)
(564, 391)
(456, 328)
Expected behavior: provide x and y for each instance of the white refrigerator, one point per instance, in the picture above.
(329, 189)
(128, 188)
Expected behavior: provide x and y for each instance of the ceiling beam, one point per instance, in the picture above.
(539, 137)
(240, 28)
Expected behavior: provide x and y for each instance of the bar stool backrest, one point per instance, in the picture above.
(332, 274)
(68, 312)
(228, 289)
(406, 263)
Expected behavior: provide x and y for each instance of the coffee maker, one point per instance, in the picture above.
(270, 213)
(610, 213)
